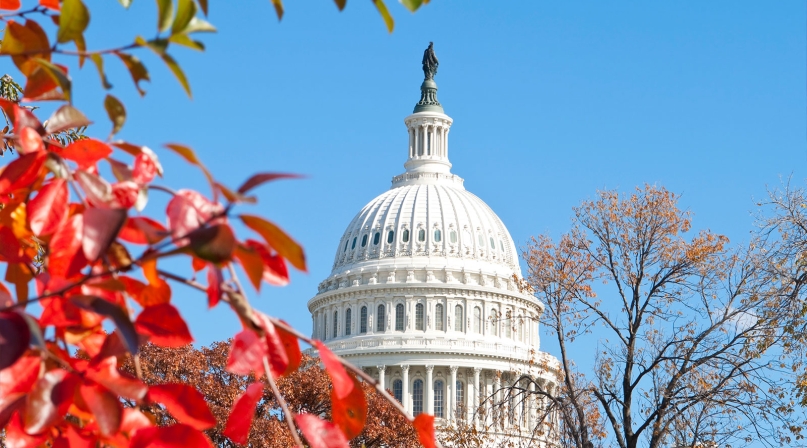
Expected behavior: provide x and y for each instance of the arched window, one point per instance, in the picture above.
(477, 320)
(459, 320)
(501, 245)
(459, 403)
(364, 241)
(335, 323)
(492, 244)
(348, 315)
(438, 236)
(417, 397)
(508, 325)
(438, 398)
(363, 320)
(494, 322)
(481, 241)
(390, 236)
(347, 241)
(419, 317)
(399, 317)
(438, 317)
(353, 246)
(452, 236)
(376, 238)
(405, 236)
(397, 390)
(421, 235)
(380, 319)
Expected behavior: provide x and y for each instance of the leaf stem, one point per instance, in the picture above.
(283, 405)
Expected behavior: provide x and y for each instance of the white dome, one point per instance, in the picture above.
(429, 220)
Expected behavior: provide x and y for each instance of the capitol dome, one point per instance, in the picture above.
(423, 292)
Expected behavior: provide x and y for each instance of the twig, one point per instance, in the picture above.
(285, 407)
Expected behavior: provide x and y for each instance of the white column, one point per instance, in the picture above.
(382, 376)
(497, 399)
(405, 395)
(452, 394)
(473, 397)
(423, 140)
(429, 390)
(531, 407)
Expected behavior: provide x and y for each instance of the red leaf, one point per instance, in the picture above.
(5, 297)
(187, 211)
(185, 403)
(51, 4)
(133, 420)
(278, 358)
(252, 263)
(10, 4)
(97, 189)
(30, 141)
(20, 376)
(292, 347)
(101, 226)
(22, 172)
(350, 413)
(14, 338)
(342, 382)
(107, 374)
(145, 168)
(214, 281)
(104, 406)
(49, 400)
(242, 413)
(174, 436)
(424, 425)
(47, 210)
(16, 437)
(275, 271)
(319, 433)
(124, 194)
(10, 248)
(246, 353)
(121, 318)
(9, 407)
(142, 230)
(165, 326)
(22, 116)
(86, 152)
(153, 294)
(260, 178)
(277, 239)
(66, 257)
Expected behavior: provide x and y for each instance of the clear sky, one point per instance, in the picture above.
(551, 101)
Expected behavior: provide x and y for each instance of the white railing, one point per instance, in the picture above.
(417, 344)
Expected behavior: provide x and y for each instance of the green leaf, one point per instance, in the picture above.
(203, 5)
(126, 3)
(412, 5)
(197, 25)
(73, 20)
(186, 10)
(99, 64)
(136, 69)
(382, 8)
(165, 14)
(57, 75)
(180, 75)
(340, 4)
(185, 41)
(278, 8)
(156, 45)
(116, 111)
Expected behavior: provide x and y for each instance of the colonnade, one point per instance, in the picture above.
(428, 140)
(451, 392)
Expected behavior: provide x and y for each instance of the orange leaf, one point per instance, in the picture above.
(277, 240)
(51, 4)
(262, 178)
(214, 281)
(252, 263)
(142, 230)
(86, 152)
(10, 4)
(185, 403)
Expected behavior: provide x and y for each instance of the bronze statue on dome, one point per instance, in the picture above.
(430, 62)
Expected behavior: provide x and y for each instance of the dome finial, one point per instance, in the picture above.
(428, 90)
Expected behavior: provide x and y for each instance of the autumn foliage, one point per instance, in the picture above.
(83, 252)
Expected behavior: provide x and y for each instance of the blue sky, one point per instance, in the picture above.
(551, 101)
